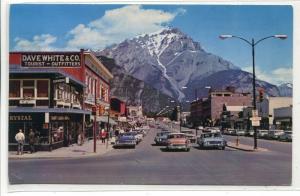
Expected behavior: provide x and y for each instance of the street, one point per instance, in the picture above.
(148, 164)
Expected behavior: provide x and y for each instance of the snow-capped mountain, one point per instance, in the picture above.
(286, 89)
(167, 59)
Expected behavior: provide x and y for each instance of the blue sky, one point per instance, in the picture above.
(71, 27)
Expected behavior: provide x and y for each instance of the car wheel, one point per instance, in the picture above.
(223, 147)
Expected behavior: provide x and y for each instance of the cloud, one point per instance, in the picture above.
(119, 24)
(276, 76)
(113, 27)
(38, 43)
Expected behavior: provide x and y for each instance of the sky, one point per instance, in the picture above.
(46, 27)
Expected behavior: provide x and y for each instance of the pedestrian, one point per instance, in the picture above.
(70, 140)
(31, 141)
(103, 135)
(20, 138)
(79, 139)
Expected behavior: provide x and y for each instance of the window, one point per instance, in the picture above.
(14, 88)
(28, 93)
(42, 88)
(28, 89)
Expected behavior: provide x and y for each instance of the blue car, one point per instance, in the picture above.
(125, 140)
(161, 138)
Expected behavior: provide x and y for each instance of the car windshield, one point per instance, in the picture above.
(176, 136)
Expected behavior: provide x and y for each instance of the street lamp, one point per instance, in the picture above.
(253, 44)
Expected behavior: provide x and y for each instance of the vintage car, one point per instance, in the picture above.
(261, 133)
(125, 140)
(274, 134)
(161, 138)
(211, 140)
(138, 136)
(190, 135)
(287, 136)
(178, 141)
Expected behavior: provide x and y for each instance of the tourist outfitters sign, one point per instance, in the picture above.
(51, 60)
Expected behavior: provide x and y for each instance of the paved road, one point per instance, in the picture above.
(273, 145)
(151, 165)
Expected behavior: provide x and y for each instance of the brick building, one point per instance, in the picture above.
(208, 111)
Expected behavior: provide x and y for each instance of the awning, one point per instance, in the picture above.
(50, 110)
(105, 120)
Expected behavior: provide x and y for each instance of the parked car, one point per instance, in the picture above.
(261, 133)
(274, 134)
(161, 138)
(138, 137)
(287, 136)
(125, 140)
(190, 135)
(249, 133)
(178, 141)
(212, 140)
(240, 132)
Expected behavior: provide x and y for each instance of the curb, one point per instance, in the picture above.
(242, 149)
(247, 150)
(89, 154)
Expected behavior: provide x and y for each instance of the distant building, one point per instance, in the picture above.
(283, 118)
(135, 112)
(208, 111)
(118, 107)
(267, 106)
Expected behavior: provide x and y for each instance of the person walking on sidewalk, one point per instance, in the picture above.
(103, 135)
(20, 138)
(31, 141)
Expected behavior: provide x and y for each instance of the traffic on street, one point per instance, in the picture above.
(167, 163)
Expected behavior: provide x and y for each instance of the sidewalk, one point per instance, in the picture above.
(244, 147)
(74, 151)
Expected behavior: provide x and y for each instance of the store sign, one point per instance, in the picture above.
(51, 60)
(20, 118)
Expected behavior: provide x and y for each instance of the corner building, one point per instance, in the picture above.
(47, 93)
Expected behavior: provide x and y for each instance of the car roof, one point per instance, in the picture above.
(176, 134)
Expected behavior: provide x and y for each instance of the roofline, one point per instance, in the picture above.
(99, 63)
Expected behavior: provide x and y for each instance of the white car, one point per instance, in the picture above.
(262, 133)
(287, 136)
(274, 134)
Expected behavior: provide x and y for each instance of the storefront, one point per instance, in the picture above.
(53, 128)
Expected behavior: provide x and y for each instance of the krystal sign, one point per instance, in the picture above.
(51, 60)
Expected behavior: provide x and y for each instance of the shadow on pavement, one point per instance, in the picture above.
(166, 150)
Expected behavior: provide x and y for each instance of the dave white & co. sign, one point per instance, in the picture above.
(51, 60)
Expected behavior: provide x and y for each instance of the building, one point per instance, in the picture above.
(96, 94)
(53, 93)
(118, 108)
(209, 111)
(283, 118)
(46, 91)
(267, 106)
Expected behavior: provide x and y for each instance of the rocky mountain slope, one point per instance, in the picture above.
(168, 60)
(134, 91)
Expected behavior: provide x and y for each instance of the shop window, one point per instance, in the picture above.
(14, 88)
(28, 92)
(42, 88)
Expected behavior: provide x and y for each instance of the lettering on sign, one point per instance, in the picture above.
(51, 60)
(20, 118)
